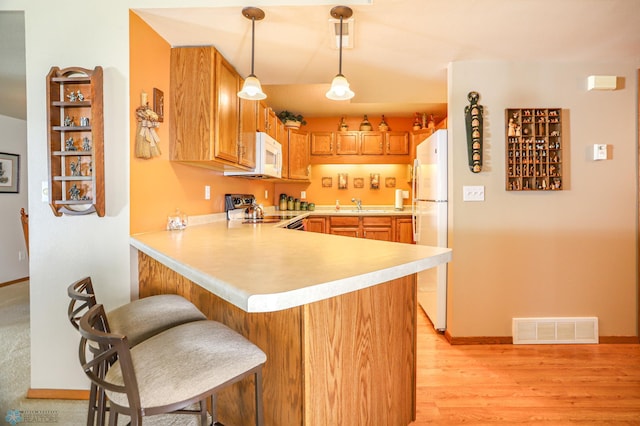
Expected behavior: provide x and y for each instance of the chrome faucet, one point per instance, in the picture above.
(358, 203)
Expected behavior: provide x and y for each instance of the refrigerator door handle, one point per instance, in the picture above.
(414, 204)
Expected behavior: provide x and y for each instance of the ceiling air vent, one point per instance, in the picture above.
(347, 33)
(555, 330)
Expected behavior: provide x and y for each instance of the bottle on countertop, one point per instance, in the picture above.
(290, 203)
(283, 202)
(296, 204)
(337, 205)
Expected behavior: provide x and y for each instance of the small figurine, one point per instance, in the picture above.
(69, 146)
(75, 168)
(68, 121)
(72, 97)
(80, 96)
(84, 121)
(74, 193)
(86, 144)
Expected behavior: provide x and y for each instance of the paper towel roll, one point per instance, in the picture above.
(399, 199)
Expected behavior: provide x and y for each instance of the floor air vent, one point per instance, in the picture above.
(555, 330)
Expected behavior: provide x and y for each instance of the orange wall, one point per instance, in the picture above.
(328, 196)
(159, 186)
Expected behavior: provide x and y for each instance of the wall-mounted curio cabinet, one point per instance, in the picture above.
(534, 159)
(75, 133)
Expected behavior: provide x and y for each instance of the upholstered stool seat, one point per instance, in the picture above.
(178, 367)
(144, 318)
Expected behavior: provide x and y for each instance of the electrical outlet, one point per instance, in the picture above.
(303, 195)
(266, 194)
(600, 151)
(473, 193)
(21, 255)
(207, 192)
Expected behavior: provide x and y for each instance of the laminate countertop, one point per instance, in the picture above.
(267, 268)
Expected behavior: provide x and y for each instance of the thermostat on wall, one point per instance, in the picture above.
(600, 151)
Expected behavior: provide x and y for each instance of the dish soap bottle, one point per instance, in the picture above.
(337, 205)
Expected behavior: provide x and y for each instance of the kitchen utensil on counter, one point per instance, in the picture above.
(254, 211)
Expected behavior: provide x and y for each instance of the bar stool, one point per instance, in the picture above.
(181, 366)
(138, 320)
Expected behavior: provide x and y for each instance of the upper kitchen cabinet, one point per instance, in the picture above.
(204, 121)
(248, 127)
(298, 160)
(360, 147)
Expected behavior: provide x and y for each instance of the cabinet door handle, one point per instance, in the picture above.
(388, 146)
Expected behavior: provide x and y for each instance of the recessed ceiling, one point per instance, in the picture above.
(398, 64)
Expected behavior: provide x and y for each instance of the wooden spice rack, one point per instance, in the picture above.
(75, 135)
(534, 159)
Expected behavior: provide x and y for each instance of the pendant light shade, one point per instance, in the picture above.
(251, 89)
(340, 90)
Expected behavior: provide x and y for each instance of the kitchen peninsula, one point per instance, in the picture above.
(335, 315)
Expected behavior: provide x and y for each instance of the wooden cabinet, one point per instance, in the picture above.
(272, 122)
(247, 137)
(282, 136)
(534, 159)
(298, 160)
(385, 228)
(404, 230)
(371, 143)
(371, 227)
(360, 147)
(377, 228)
(204, 121)
(322, 143)
(316, 224)
(75, 141)
(396, 143)
(348, 143)
(262, 116)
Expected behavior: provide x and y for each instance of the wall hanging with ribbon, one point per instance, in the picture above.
(147, 139)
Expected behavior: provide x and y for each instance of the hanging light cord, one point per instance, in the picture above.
(340, 60)
(253, 38)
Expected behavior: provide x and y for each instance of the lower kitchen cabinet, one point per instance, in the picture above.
(316, 224)
(404, 230)
(371, 227)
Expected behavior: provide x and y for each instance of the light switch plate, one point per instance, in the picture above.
(473, 193)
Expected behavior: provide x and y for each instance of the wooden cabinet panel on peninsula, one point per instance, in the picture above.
(75, 134)
(204, 123)
(360, 147)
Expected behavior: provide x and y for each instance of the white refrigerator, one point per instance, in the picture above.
(430, 221)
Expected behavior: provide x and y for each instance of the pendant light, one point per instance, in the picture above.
(339, 90)
(251, 89)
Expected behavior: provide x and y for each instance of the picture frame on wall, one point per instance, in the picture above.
(158, 103)
(9, 173)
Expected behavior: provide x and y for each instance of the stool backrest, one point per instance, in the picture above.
(99, 347)
(82, 297)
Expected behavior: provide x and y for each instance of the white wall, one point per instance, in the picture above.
(560, 253)
(13, 141)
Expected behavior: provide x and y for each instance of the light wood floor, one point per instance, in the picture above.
(525, 384)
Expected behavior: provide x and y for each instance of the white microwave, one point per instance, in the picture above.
(268, 159)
